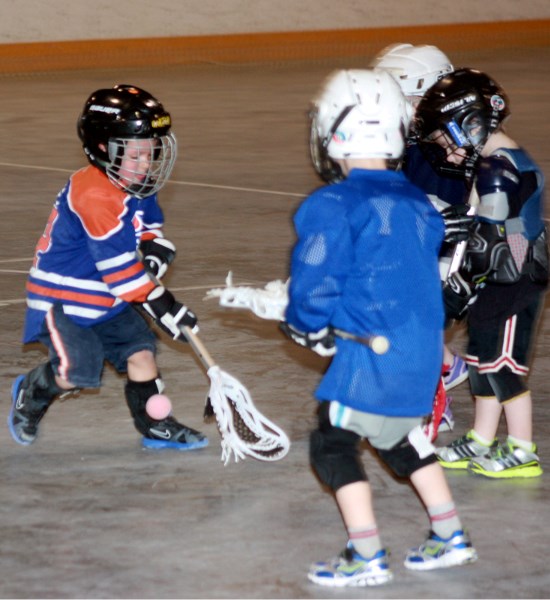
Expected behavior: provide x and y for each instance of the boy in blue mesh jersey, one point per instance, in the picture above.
(366, 261)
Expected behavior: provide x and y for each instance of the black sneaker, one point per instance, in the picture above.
(168, 433)
(23, 419)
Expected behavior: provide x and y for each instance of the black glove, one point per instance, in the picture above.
(457, 223)
(321, 342)
(169, 314)
(458, 295)
(158, 254)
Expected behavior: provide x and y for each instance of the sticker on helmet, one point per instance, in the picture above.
(497, 102)
(161, 122)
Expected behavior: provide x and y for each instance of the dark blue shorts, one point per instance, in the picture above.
(78, 353)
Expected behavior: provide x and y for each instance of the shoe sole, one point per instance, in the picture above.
(14, 392)
(359, 581)
(164, 444)
(457, 465)
(457, 558)
(523, 472)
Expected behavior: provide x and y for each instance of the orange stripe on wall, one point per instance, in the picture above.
(253, 47)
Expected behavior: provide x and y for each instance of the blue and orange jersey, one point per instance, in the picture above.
(87, 259)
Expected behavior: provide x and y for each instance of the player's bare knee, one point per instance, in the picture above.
(336, 465)
(413, 452)
(142, 361)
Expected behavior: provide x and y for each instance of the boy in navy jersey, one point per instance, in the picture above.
(505, 268)
(102, 251)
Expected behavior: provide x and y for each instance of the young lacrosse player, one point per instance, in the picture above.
(505, 268)
(366, 262)
(416, 69)
(101, 255)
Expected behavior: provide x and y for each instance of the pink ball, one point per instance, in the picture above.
(158, 407)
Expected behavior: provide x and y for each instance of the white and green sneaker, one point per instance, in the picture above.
(349, 568)
(507, 461)
(459, 453)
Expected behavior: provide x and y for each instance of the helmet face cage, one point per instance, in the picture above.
(141, 167)
(125, 132)
(358, 114)
(327, 169)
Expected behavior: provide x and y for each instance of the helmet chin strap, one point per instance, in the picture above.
(471, 161)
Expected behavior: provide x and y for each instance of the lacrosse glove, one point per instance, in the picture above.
(457, 223)
(458, 295)
(169, 314)
(322, 341)
(158, 254)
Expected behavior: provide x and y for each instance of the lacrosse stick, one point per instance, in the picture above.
(243, 429)
(460, 248)
(270, 303)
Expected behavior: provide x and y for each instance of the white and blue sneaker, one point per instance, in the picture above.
(440, 553)
(351, 569)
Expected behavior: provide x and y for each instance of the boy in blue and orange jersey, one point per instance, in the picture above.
(102, 251)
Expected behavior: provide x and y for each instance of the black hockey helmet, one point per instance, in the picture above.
(466, 105)
(111, 117)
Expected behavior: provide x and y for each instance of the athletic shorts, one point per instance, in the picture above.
(382, 432)
(77, 353)
(498, 355)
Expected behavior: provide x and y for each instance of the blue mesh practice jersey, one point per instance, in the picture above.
(86, 258)
(366, 261)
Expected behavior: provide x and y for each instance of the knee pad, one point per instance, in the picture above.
(503, 384)
(413, 452)
(137, 393)
(334, 456)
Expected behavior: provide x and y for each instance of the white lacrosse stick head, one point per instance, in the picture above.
(244, 430)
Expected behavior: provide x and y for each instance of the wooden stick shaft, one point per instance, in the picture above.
(198, 348)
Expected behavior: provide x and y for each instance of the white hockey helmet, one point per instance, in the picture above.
(359, 113)
(416, 68)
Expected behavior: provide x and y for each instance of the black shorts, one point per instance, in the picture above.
(498, 355)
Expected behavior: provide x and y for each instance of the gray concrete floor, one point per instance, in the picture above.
(85, 512)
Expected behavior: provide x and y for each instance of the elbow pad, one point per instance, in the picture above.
(488, 256)
(497, 184)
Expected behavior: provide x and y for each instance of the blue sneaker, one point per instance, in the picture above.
(25, 413)
(168, 433)
(457, 373)
(440, 553)
(351, 569)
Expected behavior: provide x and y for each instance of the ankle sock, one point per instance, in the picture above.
(478, 438)
(365, 540)
(444, 519)
(523, 444)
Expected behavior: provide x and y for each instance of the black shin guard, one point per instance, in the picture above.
(39, 389)
(137, 393)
